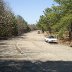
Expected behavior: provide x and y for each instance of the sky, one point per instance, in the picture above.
(30, 10)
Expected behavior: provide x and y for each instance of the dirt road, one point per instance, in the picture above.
(31, 46)
(29, 53)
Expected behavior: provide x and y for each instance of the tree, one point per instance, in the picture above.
(51, 17)
(32, 27)
(58, 18)
(8, 26)
(22, 25)
(3, 20)
(65, 22)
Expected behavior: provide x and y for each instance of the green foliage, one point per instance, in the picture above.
(57, 19)
(66, 5)
(22, 25)
(9, 24)
(51, 17)
(32, 27)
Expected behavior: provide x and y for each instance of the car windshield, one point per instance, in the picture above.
(51, 37)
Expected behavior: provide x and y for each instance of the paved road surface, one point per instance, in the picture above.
(31, 46)
(29, 53)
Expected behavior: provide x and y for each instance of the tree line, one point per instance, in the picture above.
(57, 19)
(10, 24)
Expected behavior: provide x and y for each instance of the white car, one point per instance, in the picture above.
(51, 39)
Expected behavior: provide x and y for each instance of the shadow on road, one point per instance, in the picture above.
(38, 66)
(3, 43)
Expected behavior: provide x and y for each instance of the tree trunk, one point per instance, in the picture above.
(42, 30)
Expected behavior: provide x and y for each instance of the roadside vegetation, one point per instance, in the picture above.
(33, 27)
(10, 24)
(58, 19)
